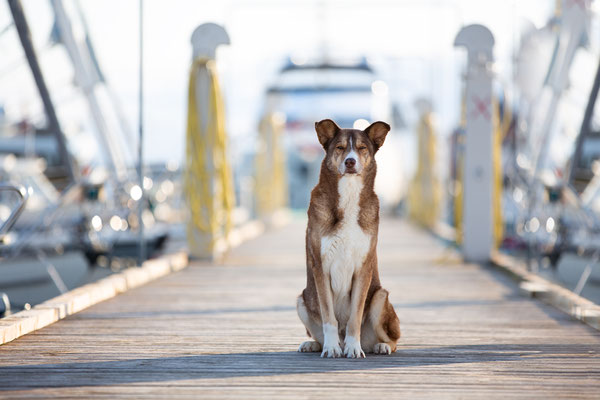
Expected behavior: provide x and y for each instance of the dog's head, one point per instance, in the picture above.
(350, 151)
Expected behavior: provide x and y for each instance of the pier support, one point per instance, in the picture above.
(207, 177)
(477, 176)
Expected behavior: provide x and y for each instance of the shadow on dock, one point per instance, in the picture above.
(257, 364)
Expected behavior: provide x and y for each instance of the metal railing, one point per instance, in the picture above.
(16, 212)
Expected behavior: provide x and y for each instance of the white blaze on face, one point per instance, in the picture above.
(354, 155)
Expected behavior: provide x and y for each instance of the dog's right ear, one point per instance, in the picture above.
(326, 130)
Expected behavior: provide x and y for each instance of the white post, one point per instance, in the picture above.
(477, 178)
(205, 40)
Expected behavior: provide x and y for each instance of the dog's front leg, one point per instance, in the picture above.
(331, 338)
(360, 286)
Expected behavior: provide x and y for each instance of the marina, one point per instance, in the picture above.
(173, 175)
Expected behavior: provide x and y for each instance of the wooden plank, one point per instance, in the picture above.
(231, 331)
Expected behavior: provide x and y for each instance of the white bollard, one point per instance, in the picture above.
(477, 175)
(207, 176)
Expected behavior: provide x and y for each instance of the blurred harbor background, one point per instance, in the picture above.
(72, 197)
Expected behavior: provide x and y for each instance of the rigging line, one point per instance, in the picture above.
(128, 135)
(142, 244)
(52, 120)
(6, 28)
(21, 61)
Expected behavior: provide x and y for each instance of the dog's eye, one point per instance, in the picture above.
(340, 147)
(362, 148)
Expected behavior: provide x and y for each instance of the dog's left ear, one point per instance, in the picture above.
(377, 132)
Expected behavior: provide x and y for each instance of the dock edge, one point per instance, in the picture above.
(80, 298)
(550, 293)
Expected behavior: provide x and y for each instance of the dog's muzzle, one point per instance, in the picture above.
(350, 165)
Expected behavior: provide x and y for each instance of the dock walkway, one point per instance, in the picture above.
(231, 331)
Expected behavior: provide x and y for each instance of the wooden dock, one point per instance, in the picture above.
(231, 331)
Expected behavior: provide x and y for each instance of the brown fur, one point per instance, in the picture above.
(324, 219)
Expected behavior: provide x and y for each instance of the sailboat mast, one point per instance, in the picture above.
(22, 27)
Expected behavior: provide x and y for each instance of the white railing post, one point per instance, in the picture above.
(477, 176)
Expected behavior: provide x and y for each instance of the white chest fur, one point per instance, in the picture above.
(344, 251)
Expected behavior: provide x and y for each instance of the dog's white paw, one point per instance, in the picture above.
(352, 348)
(382, 348)
(331, 350)
(310, 346)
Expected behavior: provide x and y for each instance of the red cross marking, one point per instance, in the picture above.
(481, 108)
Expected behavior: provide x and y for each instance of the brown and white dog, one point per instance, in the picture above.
(343, 301)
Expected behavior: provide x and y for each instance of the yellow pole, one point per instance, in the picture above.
(459, 170)
(500, 130)
(425, 191)
(270, 178)
(208, 182)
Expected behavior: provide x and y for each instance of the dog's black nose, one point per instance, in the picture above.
(350, 162)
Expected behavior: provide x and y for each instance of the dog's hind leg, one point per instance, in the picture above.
(381, 327)
(313, 328)
(309, 346)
